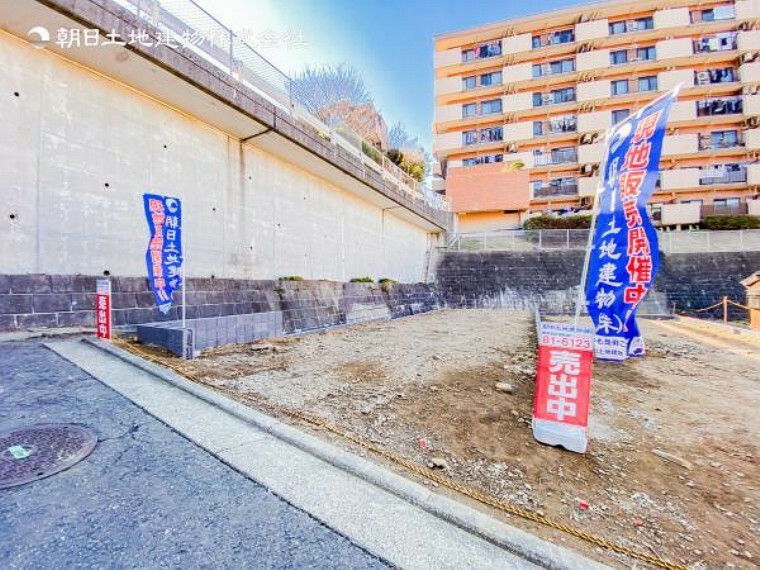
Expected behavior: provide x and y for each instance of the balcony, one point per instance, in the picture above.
(555, 126)
(671, 18)
(593, 30)
(594, 90)
(748, 40)
(683, 111)
(552, 68)
(557, 156)
(715, 76)
(747, 9)
(729, 174)
(719, 42)
(752, 139)
(553, 97)
(753, 174)
(673, 145)
(685, 213)
(588, 186)
(725, 209)
(447, 142)
(717, 141)
(482, 136)
(447, 57)
(751, 105)
(679, 178)
(553, 39)
(483, 51)
(448, 85)
(591, 153)
(519, 72)
(671, 49)
(633, 55)
(594, 59)
(719, 106)
(555, 189)
(517, 102)
(522, 131)
(444, 113)
(667, 80)
(750, 72)
(518, 43)
(630, 26)
(716, 14)
(594, 122)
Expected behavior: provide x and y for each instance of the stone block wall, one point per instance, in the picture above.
(48, 301)
(549, 279)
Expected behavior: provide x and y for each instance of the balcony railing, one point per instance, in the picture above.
(722, 176)
(564, 156)
(719, 106)
(725, 210)
(553, 99)
(557, 126)
(188, 26)
(553, 39)
(708, 142)
(727, 12)
(633, 55)
(549, 190)
(719, 42)
(713, 76)
(483, 51)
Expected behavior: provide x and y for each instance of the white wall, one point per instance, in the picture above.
(247, 213)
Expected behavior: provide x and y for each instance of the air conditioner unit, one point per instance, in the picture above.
(587, 168)
(512, 147)
(703, 77)
(744, 26)
(752, 122)
(546, 98)
(747, 57)
(631, 26)
(586, 139)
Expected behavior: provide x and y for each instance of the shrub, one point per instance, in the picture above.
(558, 223)
(388, 280)
(739, 222)
(395, 156)
(362, 280)
(291, 278)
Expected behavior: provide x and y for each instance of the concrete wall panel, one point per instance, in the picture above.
(78, 151)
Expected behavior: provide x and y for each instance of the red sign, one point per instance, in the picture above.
(563, 385)
(103, 309)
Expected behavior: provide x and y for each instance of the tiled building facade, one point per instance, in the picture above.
(522, 107)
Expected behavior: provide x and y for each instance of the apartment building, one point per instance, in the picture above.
(522, 107)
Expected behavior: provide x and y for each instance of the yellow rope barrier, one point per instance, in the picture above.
(413, 467)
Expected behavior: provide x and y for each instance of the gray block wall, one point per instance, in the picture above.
(548, 279)
(46, 301)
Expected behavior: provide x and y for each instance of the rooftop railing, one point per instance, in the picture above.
(190, 27)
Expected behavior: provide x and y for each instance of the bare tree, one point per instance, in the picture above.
(327, 86)
(399, 137)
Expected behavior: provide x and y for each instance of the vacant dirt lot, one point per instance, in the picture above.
(433, 377)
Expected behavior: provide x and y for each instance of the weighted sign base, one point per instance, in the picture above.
(572, 438)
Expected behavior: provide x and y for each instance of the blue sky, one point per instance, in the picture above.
(390, 41)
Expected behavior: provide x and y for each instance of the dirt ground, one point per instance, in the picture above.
(433, 376)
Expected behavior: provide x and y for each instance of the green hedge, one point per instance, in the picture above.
(731, 222)
(558, 223)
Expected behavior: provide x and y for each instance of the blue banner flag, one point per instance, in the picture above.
(164, 255)
(624, 256)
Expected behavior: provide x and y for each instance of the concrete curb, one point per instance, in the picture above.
(519, 542)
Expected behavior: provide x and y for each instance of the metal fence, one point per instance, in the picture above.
(539, 240)
(186, 25)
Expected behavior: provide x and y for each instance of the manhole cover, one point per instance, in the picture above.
(28, 454)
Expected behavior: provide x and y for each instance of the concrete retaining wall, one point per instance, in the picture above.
(547, 279)
(79, 150)
(38, 300)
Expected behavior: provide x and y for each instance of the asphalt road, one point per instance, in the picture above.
(146, 497)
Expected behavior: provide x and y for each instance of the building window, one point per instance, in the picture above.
(561, 37)
(469, 137)
(619, 115)
(636, 25)
(469, 110)
(468, 55)
(724, 106)
(645, 53)
(538, 128)
(485, 159)
(708, 76)
(488, 79)
(724, 139)
(537, 70)
(619, 87)
(468, 83)
(490, 107)
(538, 99)
(536, 42)
(563, 95)
(648, 83)
(619, 57)
(488, 49)
(726, 203)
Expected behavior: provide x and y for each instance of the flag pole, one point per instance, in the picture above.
(579, 300)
